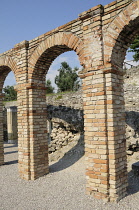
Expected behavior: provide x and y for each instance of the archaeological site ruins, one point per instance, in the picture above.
(100, 37)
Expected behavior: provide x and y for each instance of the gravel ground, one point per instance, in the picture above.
(63, 188)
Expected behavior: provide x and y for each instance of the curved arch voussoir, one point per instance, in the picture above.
(124, 19)
(9, 62)
(130, 13)
(61, 38)
(57, 39)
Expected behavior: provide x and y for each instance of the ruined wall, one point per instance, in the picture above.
(65, 114)
(65, 119)
(131, 94)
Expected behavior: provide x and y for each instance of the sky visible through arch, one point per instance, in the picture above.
(26, 19)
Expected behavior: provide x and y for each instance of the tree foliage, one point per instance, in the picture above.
(134, 47)
(67, 80)
(50, 89)
(10, 93)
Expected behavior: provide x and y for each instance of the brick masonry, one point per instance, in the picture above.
(100, 37)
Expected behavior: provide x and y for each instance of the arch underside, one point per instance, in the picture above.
(4, 71)
(123, 42)
(45, 60)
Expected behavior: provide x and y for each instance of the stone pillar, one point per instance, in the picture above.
(96, 140)
(1, 132)
(12, 124)
(23, 132)
(32, 132)
(116, 134)
(104, 135)
(38, 131)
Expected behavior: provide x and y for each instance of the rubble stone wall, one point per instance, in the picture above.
(131, 94)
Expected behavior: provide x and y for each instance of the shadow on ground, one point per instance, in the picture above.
(9, 146)
(133, 183)
(11, 162)
(7, 153)
(71, 157)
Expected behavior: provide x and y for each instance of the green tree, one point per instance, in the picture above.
(67, 80)
(134, 47)
(50, 89)
(10, 93)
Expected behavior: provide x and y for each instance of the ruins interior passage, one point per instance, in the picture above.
(100, 37)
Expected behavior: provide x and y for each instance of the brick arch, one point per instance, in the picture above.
(117, 38)
(120, 34)
(7, 64)
(49, 49)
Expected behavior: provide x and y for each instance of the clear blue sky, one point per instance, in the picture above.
(26, 19)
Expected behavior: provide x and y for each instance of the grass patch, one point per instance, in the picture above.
(60, 93)
(58, 97)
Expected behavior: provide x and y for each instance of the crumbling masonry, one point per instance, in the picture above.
(100, 37)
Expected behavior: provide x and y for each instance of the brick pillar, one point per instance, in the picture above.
(12, 124)
(104, 135)
(1, 132)
(32, 132)
(38, 132)
(23, 132)
(116, 135)
(96, 141)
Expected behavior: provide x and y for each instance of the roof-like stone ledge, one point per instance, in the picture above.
(23, 44)
(97, 10)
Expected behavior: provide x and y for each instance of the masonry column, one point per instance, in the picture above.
(104, 123)
(38, 131)
(116, 134)
(12, 124)
(96, 140)
(23, 132)
(1, 132)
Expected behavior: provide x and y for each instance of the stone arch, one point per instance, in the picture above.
(8, 61)
(39, 63)
(117, 37)
(7, 64)
(120, 34)
(50, 48)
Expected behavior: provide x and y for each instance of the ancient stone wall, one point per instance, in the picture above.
(131, 94)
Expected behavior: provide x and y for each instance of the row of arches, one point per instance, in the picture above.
(103, 102)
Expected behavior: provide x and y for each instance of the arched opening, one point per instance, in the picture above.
(10, 109)
(121, 37)
(65, 118)
(10, 132)
(4, 71)
(70, 58)
(38, 79)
